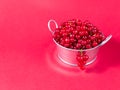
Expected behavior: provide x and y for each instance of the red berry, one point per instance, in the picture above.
(79, 41)
(67, 40)
(86, 57)
(81, 33)
(64, 34)
(71, 29)
(103, 38)
(74, 47)
(67, 45)
(71, 39)
(94, 31)
(88, 46)
(83, 42)
(86, 33)
(78, 22)
(78, 28)
(94, 44)
(79, 58)
(84, 37)
(62, 31)
(72, 35)
(90, 25)
(88, 41)
(99, 40)
(83, 61)
(77, 36)
(71, 47)
(78, 45)
(68, 30)
(82, 68)
(92, 38)
(75, 32)
(83, 47)
(86, 22)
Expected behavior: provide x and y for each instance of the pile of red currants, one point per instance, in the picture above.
(75, 34)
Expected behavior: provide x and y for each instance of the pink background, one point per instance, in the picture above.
(27, 53)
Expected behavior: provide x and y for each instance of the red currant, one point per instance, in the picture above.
(88, 46)
(67, 40)
(94, 44)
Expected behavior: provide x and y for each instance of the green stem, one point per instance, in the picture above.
(81, 53)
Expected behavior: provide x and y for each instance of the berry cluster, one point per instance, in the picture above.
(79, 35)
(76, 34)
(82, 58)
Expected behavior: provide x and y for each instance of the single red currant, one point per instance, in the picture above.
(94, 44)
